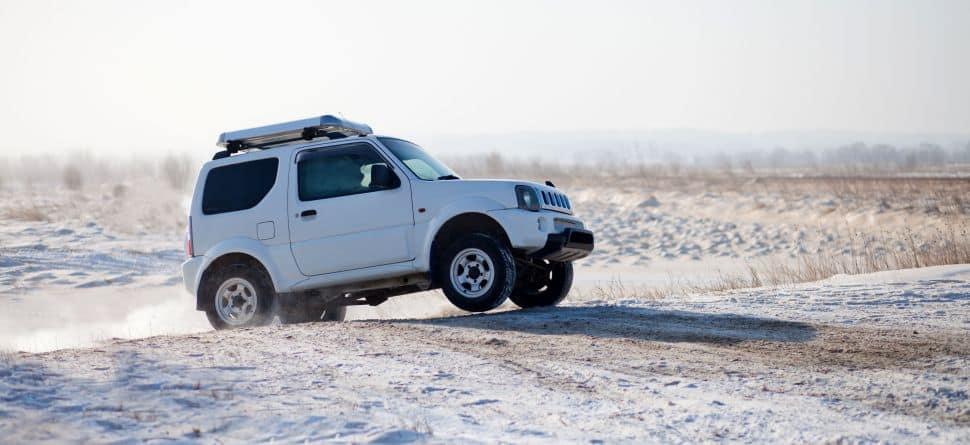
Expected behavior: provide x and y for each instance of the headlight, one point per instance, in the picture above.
(527, 197)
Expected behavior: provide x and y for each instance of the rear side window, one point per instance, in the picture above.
(236, 187)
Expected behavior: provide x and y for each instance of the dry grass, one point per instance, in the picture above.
(939, 191)
(72, 177)
(950, 245)
(177, 170)
(615, 290)
(29, 213)
(82, 171)
(7, 358)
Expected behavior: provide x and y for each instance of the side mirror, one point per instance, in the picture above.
(381, 177)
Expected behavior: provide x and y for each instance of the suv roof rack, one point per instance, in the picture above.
(288, 132)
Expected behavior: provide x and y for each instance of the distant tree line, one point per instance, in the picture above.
(79, 170)
(857, 156)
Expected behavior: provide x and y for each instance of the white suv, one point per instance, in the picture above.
(304, 218)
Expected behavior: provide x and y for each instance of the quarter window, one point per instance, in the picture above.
(340, 171)
(236, 187)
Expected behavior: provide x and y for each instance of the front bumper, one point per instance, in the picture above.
(568, 245)
(545, 234)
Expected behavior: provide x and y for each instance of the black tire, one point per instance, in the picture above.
(262, 288)
(501, 272)
(541, 289)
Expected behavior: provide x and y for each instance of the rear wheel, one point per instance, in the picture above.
(544, 283)
(240, 296)
(477, 272)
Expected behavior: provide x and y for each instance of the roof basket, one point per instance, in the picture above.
(268, 136)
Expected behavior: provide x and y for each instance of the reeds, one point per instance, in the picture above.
(947, 245)
(950, 245)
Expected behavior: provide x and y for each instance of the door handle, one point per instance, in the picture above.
(307, 213)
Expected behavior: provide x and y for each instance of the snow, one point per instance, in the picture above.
(100, 343)
(874, 358)
(44, 255)
(762, 227)
(937, 297)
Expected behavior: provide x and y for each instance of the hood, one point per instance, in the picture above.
(502, 191)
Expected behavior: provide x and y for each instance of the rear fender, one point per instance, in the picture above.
(246, 246)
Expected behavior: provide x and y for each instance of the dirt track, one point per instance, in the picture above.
(808, 367)
(610, 354)
(642, 343)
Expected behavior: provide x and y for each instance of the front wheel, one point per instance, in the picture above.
(545, 284)
(476, 272)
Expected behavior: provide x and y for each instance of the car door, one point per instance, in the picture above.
(339, 221)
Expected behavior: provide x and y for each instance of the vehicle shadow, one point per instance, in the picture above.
(635, 323)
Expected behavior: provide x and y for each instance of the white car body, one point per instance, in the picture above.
(358, 238)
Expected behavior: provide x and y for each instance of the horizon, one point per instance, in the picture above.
(574, 145)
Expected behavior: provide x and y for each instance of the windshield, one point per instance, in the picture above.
(422, 164)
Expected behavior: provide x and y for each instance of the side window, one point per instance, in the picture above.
(341, 171)
(241, 186)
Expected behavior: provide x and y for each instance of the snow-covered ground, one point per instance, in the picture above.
(881, 357)
(655, 228)
(99, 342)
(78, 267)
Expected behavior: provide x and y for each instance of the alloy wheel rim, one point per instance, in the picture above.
(472, 273)
(236, 301)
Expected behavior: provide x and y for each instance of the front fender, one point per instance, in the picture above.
(425, 231)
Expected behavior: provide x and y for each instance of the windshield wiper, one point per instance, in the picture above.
(440, 178)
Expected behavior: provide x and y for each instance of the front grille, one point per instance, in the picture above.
(556, 201)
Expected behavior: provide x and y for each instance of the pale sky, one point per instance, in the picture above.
(134, 76)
